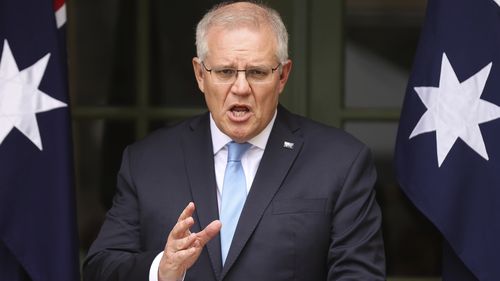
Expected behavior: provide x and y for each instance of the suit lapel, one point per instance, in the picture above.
(198, 152)
(276, 161)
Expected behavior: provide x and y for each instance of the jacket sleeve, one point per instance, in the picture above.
(356, 249)
(116, 253)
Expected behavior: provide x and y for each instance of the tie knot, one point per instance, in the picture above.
(236, 150)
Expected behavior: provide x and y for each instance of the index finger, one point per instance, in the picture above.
(187, 212)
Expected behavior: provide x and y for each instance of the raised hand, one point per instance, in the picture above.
(183, 247)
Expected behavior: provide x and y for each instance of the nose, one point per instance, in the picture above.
(240, 85)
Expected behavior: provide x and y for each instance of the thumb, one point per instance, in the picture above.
(209, 232)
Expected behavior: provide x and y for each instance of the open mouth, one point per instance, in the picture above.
(239, 111)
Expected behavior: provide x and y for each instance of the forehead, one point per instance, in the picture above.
(241, 43)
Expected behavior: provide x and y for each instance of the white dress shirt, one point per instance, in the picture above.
(250, 162)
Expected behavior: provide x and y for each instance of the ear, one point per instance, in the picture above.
(285, 72)
(199, 73)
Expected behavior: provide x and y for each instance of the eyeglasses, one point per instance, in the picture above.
(254, 75)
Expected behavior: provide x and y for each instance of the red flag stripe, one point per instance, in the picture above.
(58, 4)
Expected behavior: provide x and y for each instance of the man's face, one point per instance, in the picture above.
(241, 110)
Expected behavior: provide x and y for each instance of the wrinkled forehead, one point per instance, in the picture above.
(241, 42)
(241, 26)
(244, 21)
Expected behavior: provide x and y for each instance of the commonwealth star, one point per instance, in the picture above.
(20, 98)
(455, 110)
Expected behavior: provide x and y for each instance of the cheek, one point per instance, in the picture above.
(214, 99)
(268, 101)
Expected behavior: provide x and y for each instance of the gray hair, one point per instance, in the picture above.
(252, 15)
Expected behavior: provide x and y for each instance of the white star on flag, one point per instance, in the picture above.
(20, 98)
(498, 2)
(455, 110)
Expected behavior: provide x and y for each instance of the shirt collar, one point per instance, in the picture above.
(219, 139)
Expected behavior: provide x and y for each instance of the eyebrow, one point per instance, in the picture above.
(232, 66)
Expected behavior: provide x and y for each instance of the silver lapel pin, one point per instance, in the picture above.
(288, 145)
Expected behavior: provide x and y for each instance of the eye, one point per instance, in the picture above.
(225, 72)
(257, 73)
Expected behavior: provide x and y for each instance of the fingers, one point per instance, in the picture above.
(181, 229)
(184, 243)
(179, 252)
(183, 247)
(180, 238)
(187, 212)
(184, 223)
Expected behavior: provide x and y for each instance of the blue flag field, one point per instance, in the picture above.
(38, 234)
(448, 145)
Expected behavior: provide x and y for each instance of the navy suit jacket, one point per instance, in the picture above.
(310, 214)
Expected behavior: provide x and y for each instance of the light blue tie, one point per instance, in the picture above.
(234, 193)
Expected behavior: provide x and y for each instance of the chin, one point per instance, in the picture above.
(239, 136)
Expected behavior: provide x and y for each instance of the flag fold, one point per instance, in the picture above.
(448, 144)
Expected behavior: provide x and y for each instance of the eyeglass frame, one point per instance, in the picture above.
(273, 69)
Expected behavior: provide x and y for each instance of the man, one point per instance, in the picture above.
(308, 209)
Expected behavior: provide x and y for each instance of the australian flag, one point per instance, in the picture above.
(38, 237)
(448, 144)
